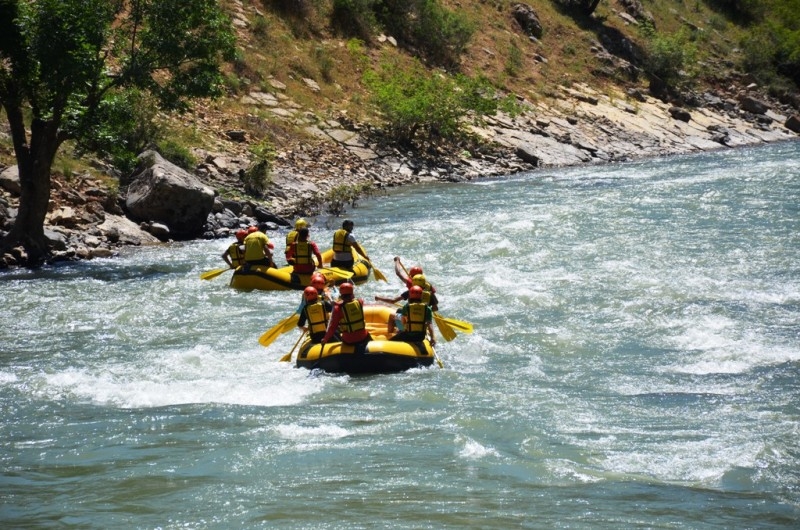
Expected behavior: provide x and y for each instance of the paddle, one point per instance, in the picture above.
(447, 332)
(335, 272)
(438, 360)
(376, 273)
(210, 275)
(288, 357)
(447, 326)
(460, 325)
(287, 324)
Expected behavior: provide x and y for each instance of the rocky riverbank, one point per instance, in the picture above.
(348, 160)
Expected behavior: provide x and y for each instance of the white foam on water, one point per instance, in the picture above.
(702, 462)
(198, 375)
(316, 433)
(473, 450)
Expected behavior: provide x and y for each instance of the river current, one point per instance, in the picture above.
(635, 364)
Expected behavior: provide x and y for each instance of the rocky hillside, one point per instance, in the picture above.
(584, 89)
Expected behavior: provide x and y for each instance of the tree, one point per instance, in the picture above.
(61, 61)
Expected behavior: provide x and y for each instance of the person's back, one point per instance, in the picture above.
(348, 318)
(303, 252)
(291, 237)
(417, 318)
(256, 248)
(234, 254)
(315, 313)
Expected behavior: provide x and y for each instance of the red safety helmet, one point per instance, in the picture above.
(413, 271)
(252, 229)
(346, 288)
(415, 293)
(241, 234)
(310, 294)
(318, 280)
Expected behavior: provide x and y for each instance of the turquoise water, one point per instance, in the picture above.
(635, 364)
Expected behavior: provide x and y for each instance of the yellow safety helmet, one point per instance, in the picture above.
(300, 223)
(420, 280)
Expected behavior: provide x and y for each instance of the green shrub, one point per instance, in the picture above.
(421, 105)
(124, 126)
(340, 196)
(435, 32)
(259, 174)
(354, 18)
(178, 154)
(671, 58)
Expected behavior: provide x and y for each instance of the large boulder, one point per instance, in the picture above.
(164, 193)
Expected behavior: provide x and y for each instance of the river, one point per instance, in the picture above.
(635, 364)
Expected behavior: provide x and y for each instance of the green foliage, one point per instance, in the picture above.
(124, 125)
(671, 58)
(177, 153)
(259, 175)
(772, 48)
(435, 32)
(514, 61)
(442, 34)
(340, 196)
(355, 18)
(422, 105)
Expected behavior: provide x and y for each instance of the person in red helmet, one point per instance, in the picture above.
(319, 283)
(316, 313)
(234, 254)
(348, 318)
(407, 276)
(257, 248)
(417, 318)
(427, 296)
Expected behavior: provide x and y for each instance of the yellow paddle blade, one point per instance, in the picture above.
(447, 332)
(335, 273)
(377, 273)
(460, 325)
(277, 330)
(291, 322)
(210, 275)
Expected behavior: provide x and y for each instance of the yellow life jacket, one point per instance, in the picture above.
(290, 238)
(317, 317)
(236, 253)
(426, 295)
(352, 317)
(416, 317)
(302, 253)
(340, 241)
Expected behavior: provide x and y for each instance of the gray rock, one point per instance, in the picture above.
(793, 123)
(163, 192)
(9, 180)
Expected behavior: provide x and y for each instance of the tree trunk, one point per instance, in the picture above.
(592, 5)
(34, 178)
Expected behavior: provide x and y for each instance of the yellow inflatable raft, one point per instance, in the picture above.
(270, 279)
(381, 356)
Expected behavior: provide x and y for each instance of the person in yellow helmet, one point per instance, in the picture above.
(343, 244)
(292, 236)
(302, 254)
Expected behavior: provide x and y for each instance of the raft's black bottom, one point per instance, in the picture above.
(368, 363)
